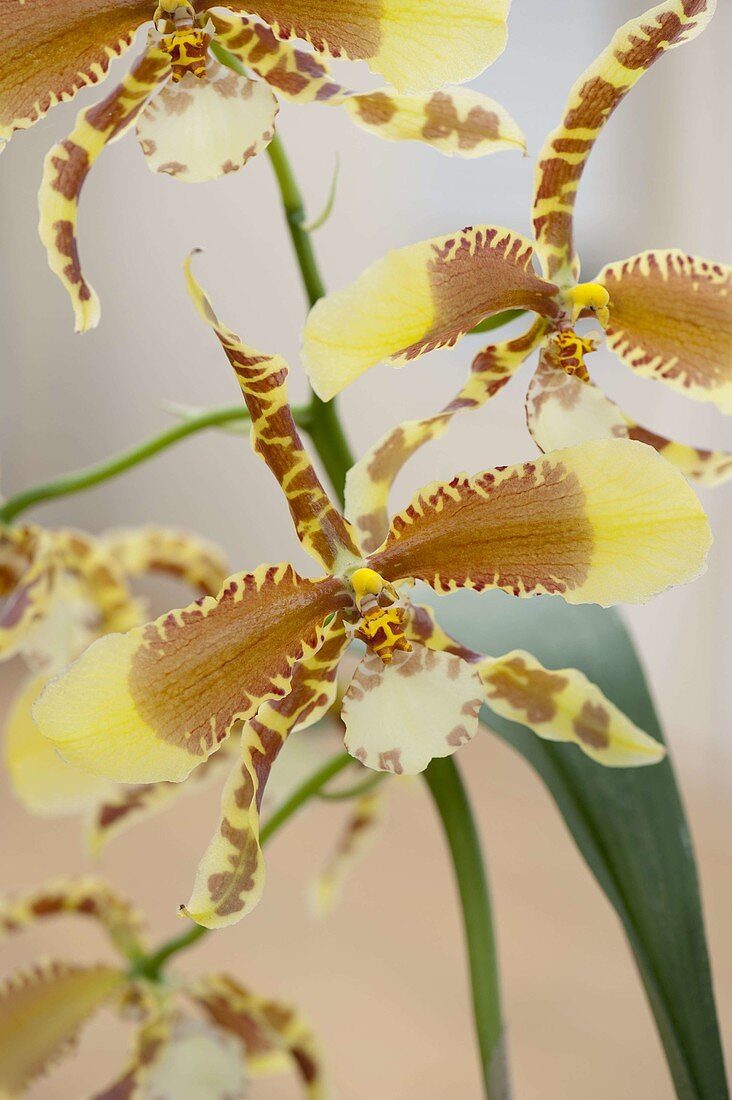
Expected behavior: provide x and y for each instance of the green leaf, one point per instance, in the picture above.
(629, 824)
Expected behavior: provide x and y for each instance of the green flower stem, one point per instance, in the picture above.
(112, 467)
(358, 789)
(451, 800)
(151, 966)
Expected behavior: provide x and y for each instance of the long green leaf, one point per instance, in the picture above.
(629, 824)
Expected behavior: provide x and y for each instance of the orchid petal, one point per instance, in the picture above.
(265, 1027)
(50, 50)
(417, 45)
(636, 46)
(202, 128)
(704, 467)
(421, 706)
(230, 877)
(176, 553)
(41, 1013)
(263, 381)
(671, 320)
(563, 705)
(154, 703)
(44, 783)
(369, 482)
(562, 410)
(420, 298)
(356, 839)
(68, 164)
(605, 522)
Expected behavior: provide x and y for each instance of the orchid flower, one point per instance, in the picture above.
(206, 1036)
(62, 589)
(668, 316)
(155, 703)
(198, 120)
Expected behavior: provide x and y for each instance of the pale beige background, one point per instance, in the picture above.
(384, 979)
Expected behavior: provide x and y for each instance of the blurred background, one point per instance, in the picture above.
(384, 979)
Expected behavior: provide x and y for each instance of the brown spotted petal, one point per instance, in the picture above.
(563, 705)
(562, 410)
(202, 128)
(88, 897)
(636, 46)
(275, 438)
(399, 716)
(671, 320)
(152, 704)
(456, 121)
(49, 49)
(419, 298)
(120, 807)
(703, 466)
(417, 45)
(369, 482)
(42, 1010)
(68, 164)
(271, 1032)
(604, 522)
(170, 551)
(230, 877)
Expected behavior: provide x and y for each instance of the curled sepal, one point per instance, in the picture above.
(605, 522)
(230, 878)
(121, 807)
(417, 45)
(50, 50)
(369, 482)
(592, 100)
(102, 579)
(703, 466)
(562, 410)
(171, 551)
(88, 897)
(266, 1028)
(68, 164)
(399, 716)
(356, 838)
(671, 320)
(44, 783)
(263, 380)
(42, 1010)
(152, 704)
(419, 298)
(563, 705)
(201, 128)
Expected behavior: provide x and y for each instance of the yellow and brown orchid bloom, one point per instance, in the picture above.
(667, 316)
(198, 120)
(195, 1036)
(155, 703)
(61, 589)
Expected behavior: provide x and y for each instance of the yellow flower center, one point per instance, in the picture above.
(593, 297)
(570, 352)
(381, 623)
(187, 48)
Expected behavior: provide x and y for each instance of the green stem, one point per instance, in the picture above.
(451, 800)
(150, 966)
(112, 467)
(323, 423)
(358, 789)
